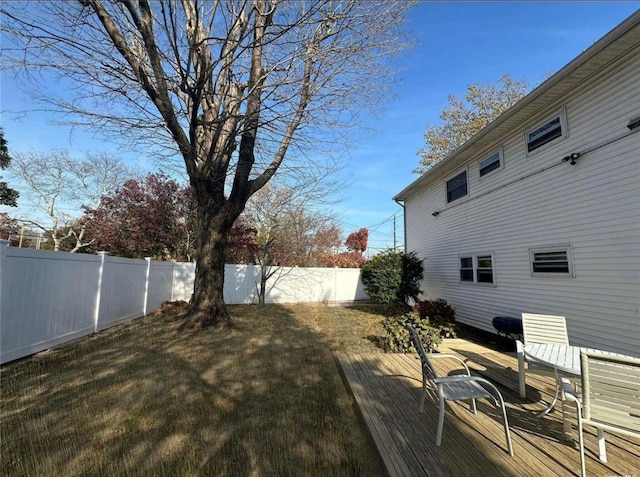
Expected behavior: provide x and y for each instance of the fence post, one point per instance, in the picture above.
(173, 281)
(146, 286)
(96, 315)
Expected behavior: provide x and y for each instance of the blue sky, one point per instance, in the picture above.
(457, 43)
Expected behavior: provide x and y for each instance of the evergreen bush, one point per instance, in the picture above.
(392, 277)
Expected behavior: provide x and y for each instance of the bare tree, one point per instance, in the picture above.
(230, 85)
(60, 185)
(462, 119)
(292, 228)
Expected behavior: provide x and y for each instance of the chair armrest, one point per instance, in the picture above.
(519, 347)
(451, 356)
(571, 394)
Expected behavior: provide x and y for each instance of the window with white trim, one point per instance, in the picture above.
(490, 163)
(546, 132)
(551, 261)
(477, 268)
(457, 187)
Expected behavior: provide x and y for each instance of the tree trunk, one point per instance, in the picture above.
(263, 285)
(207, 307)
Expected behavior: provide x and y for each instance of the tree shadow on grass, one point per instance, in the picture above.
(261, 398)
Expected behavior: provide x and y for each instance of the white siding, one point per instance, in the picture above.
(539, 200)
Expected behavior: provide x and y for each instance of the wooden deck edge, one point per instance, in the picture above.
(344, 366)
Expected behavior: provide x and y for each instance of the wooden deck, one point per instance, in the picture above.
(386, 388)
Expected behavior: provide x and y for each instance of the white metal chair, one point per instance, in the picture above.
(455, 388)
(610, 398)
(539, 329)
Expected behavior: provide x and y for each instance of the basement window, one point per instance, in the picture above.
(546, 132)
(457, 187)
(551, 261)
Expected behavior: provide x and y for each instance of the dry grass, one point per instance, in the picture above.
(260, 399)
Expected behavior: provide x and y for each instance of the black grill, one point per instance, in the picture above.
(508, 327)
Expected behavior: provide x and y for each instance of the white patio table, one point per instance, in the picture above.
(563, 359)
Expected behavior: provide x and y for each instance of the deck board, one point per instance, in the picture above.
(387, 389)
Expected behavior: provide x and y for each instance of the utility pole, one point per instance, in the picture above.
(394, 232)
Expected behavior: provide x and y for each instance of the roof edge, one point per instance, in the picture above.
(617, 32)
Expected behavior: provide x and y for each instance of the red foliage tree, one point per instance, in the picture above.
(156, 217)
(343, 260)
(242, 247)
(357, 241)
(142, 219)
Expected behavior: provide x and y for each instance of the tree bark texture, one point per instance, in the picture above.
(207, 307)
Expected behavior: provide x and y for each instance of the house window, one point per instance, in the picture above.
(551, 261)
(466, 269)
(491, 163)
(546, 132)
(476, 268)
(484, 269)
(457, 187)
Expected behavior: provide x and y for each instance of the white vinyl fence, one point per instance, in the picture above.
(48, 298)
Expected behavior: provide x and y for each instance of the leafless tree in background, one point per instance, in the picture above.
(231, 86)
(56, 183)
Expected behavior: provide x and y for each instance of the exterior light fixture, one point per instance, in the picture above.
(436, 213)
(634, 123)
(573, 157)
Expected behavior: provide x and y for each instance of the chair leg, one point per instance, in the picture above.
(581, 445)
(566, 424)
(440, 419)
(522, 386)
(424, 392)
(507, 434)
(602, 449)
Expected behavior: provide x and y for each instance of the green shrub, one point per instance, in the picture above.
(392, 277)
(439, 313)
(412, 273)
(397, 338)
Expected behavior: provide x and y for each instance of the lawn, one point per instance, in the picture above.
(262, 398)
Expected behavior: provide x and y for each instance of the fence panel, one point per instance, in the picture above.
(123, 290)
(314, 285)
(160, 284)
(48, 298)
(348, 286)
(240, 284)
(183, 276)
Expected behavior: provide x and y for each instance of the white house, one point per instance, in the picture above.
(540, 211)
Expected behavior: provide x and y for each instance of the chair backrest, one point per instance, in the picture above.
(544, 329)
(427, 370)
(611, 391)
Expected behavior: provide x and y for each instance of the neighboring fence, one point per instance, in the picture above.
(49, 298)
